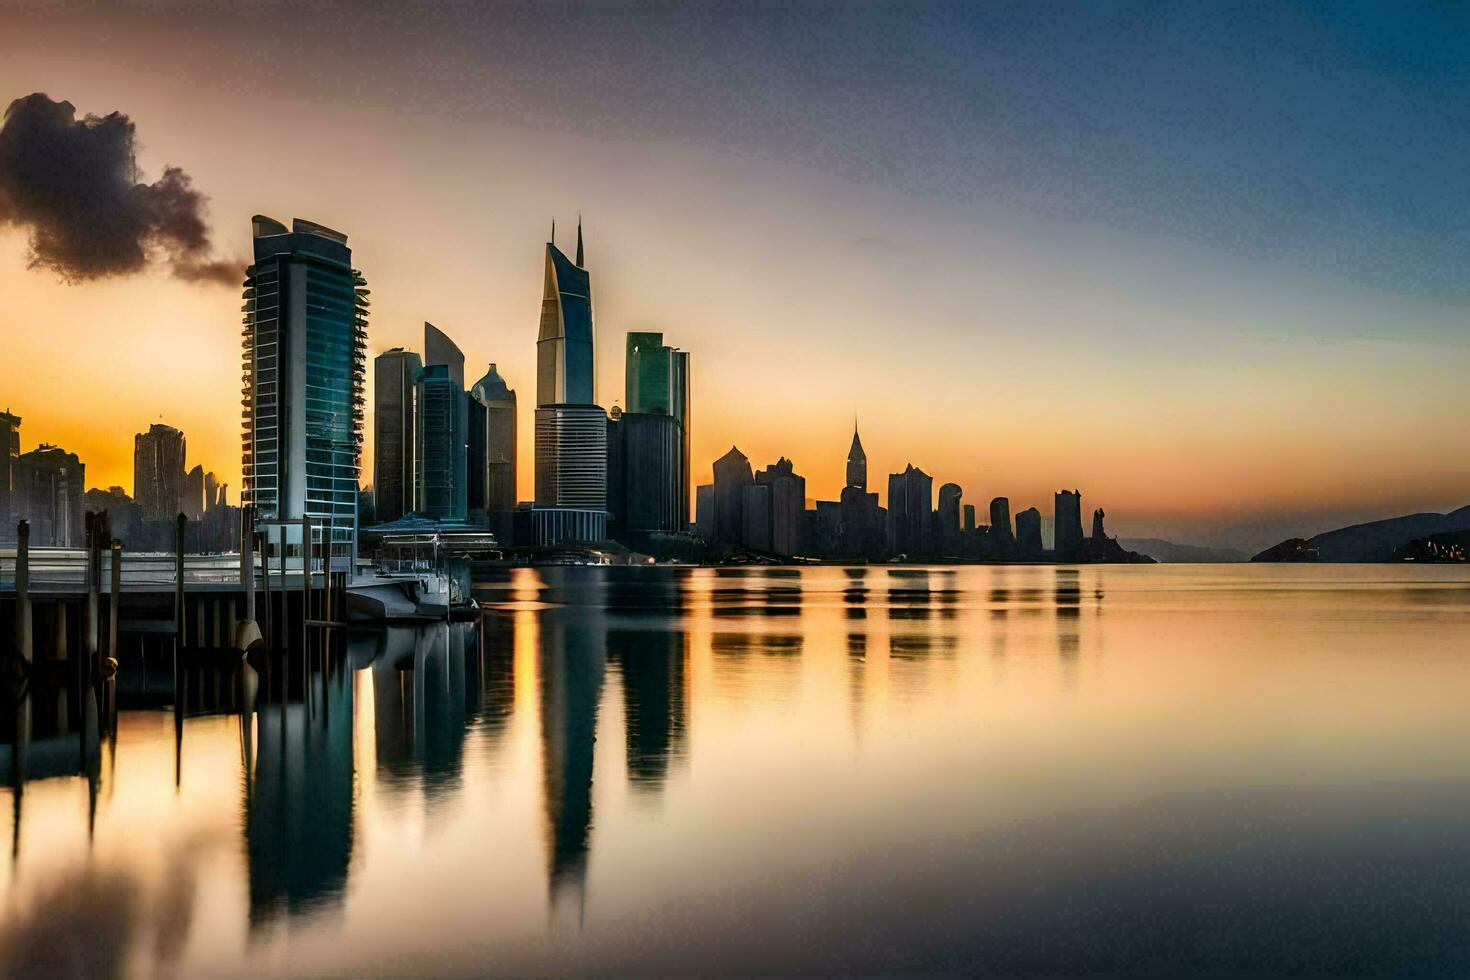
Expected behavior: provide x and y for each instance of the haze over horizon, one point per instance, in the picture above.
(1065, 247)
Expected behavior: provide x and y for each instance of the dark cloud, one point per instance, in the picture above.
(74, 185)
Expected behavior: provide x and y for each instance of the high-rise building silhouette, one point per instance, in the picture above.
(755, 517)
(492, 477)
(857, 461)
(732, 476)
(191, 504)
(441, 409)
(449, 433)
(571, 430)
(395, 431)
(1067, 526)
(305, 353)
(50, 491)
(657, 383)
(158, 472)
(1000, 541)
(440, 349)
(968, 523)
(947, 518)
(910, 513)
(645, 465)
(787, 506)
(9, 450)
(1028, 534)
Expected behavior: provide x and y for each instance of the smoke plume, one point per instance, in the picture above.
(73, 185)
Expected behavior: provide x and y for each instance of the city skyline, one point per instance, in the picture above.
(1276, 364)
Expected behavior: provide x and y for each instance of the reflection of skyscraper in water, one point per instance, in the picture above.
(655, 668)
(299, 815)
(420, 707)
(573, 654)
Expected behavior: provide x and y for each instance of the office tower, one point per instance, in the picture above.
(440, 351)
(440, 488)
(395, 427)
(492, 479)
(947, 533)
(1099, 535)
(969, 519)
(824, 524)
(1067, 529)
(123, 513)
(732, 476)
(9, 450)
(191, 503)
(704, 511)
(1028, 534)
(657, 383)
(571, 430)
(787, 506)
(211, 492)
(1000, 542)
(857, 462)
(910, 510)
(645, 463)
(305, 353)
(755, 517)
(50, 490)
(158, 472)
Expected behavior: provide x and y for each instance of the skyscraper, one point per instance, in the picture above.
(910, 513)
(450, 432)
(158, 472)
(492, 481)
(571, 430)
(857, 462)
(787, 504)
(947, 517)
(1067, 529)
(440, 488)
(191, 504)
(1000, 543)
(645, 453)
(732, 476)
(50, 490)
(395, 429)
(1028, 533)
(9, 450)
(657, 380)
(305, 354)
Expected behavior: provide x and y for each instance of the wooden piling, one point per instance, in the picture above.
(247, 559)
(23, 590)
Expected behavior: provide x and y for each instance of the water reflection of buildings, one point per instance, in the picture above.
(655, 670)
(299, 807)
(573, 655)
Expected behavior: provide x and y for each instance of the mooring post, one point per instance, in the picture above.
(109, 672)
(23, 590)
(182, 521)
(86, 652)
(247, 560)
(265, 567)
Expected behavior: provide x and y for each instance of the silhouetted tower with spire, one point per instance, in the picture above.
(857, 461)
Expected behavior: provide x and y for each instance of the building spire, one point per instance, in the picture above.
(580, 263)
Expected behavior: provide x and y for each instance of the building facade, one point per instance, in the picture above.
(645, 453)
(158, 472)
(395, 430)
(910, 513)
(1067, 529)
(657, 383)
(732, 476)
(439, 487)
(492, 477)
(305, 354)
(1028, 534)
(787, 505)
(9, 450)
(50, 493)
(571, 430)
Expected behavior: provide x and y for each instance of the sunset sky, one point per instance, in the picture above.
(1208, 266)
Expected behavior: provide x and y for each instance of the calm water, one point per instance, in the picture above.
(1233, 768)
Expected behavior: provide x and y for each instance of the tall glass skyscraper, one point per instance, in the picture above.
(492, 454)
(305, 362)
(571, 430)
(657, 383)
(395, 433)
(441, 445)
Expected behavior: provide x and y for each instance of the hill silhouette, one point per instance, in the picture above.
(1373, 541)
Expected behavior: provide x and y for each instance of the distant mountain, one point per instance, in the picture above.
(1167, 551)
(1371, 542)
